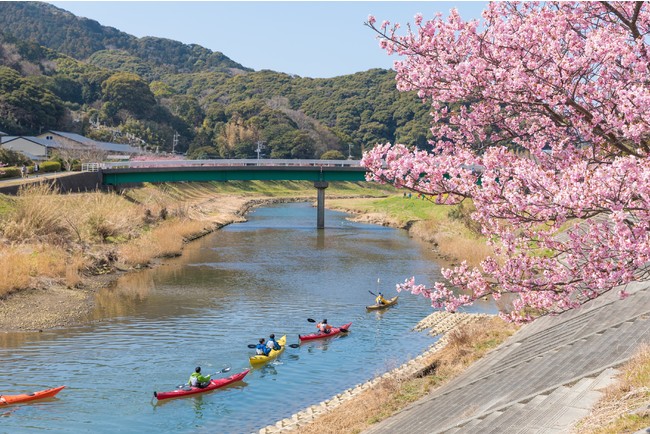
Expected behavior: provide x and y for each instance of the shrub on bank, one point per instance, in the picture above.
(50, 166)
(9, 172)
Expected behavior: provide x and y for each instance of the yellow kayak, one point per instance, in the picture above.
(260, 359)
(391, 302)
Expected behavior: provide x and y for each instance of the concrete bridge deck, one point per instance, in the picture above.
(543, 379)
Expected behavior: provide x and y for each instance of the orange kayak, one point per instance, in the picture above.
(25, 397)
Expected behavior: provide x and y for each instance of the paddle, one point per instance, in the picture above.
(291, 345)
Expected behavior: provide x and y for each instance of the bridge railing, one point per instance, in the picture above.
(233, 162)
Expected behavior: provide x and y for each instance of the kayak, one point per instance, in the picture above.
(335, 331)
(25, 397)
(390, 302)
(191, 390)
(260, 359)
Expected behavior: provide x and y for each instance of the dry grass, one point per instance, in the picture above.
(465, 346)
(163, 241)
(616, 412)
(22, 266)
(453, 240)
(36, 217)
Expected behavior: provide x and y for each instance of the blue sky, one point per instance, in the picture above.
(307, 38)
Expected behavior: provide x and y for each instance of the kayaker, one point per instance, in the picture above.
(324, 327)
(198, 380)
(380, 299)
(272, 344)
(262, 349)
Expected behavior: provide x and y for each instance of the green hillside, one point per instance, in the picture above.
(59, 71)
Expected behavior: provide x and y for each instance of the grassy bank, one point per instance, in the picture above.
(448, 228)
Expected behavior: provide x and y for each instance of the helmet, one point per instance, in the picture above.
(272, 336)
(198, 369)
(324, 321)
(261, 340)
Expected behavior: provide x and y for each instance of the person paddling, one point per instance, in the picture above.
(198, 380)
(262, 349)
(380, 299)
(272, 344)
(323, 327)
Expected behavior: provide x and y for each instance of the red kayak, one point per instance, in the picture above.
(335, 331)
(25, 397)
(190, 390)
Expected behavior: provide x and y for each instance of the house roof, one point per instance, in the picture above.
(117, 147)
(37, 140)
(104, 146)
(76, 137)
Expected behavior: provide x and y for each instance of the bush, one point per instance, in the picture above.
(332, 155)
(50, 166)
(9, 172)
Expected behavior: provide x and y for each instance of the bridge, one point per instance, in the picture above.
(320, 172)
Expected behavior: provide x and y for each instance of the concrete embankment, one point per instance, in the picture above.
(543, 379)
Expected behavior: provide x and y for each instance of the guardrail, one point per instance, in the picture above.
(217, 163)
(90, 167)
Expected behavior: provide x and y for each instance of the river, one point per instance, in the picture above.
(228, 289)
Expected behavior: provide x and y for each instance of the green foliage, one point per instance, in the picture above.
(217, 106)
(50, 166)
(332, 155)
(12, 158)
(26, 106)
(9, 172)
(127, 91)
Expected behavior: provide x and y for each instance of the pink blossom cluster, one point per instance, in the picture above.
(551, 101)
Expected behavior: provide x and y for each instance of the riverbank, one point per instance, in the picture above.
(35, 295)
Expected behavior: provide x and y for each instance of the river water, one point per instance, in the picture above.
(267, 275)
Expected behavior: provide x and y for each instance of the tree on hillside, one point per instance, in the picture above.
(568, 84)
(126, 91)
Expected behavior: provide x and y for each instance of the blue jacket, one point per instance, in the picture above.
(262, 349)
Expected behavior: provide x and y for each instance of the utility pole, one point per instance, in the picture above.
(260, 147)
(174, 142)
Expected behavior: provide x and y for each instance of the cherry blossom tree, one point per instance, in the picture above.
(541, 117)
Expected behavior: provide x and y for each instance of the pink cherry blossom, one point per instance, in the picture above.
(540, 119)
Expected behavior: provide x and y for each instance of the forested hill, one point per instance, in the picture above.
(59, 71)
(80, 38)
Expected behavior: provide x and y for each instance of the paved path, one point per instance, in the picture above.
(543, 379)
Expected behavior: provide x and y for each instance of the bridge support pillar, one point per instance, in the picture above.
(320, 219)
